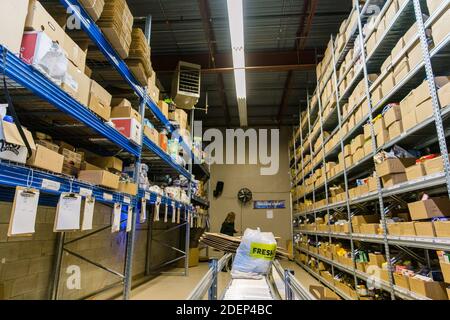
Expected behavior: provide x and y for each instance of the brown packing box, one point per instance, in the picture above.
(93, 7)
(48, 145)
(434, 165)
(401, 70)
(100, 101)
(369, 228)
(396, 165)
(401, 280)
(424, 229)
(38, 19)
(388, 83)
(433, 289)
(357, 143)
(392, 115)
(13, 14)
(424, 111)
(164, 107)
(74, 53)
(87, 166)
(46, 159)
(410, 120)
(427, 209)
(376, 259)
(442, 229)
(128, 188)
(393, 179)
(368, 147)
(395, 129)
(77, 84)
(382, 138)
(444, 95)
(107, 163)
(440, 29)
(358, 220)
(394, 229)
(445, 268)
(407, 229)
(152, 134)
(421, 93)
(125, 112)
(153, 92)
(100, 177)
(415, 172)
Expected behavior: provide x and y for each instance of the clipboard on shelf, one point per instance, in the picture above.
(68, 212)
(23, 214)
(143, 213)
(130, 218)
(88, 213)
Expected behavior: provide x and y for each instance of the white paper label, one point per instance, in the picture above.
(108, 196)
(126, 200)
(269, 214)
(50, 185)
(147, 196)
(85, 192)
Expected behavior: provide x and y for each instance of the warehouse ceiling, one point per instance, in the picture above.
(282, 38)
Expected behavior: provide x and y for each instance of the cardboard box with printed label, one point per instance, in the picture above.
(100, 101)
(431, 208)
(77, 84)
(12, 147)
(397, 165)
(128, 188)
(442, 229)
(46, 159)
(431, 289)
(415, 172)
(100, 177)
(424, 229)
(108, 163)
(38, 19)
(152, 134)
(13, 14)
(395, 130)
(130, 128)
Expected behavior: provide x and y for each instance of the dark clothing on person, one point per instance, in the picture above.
(228, 228)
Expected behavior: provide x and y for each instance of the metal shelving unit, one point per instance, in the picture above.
(420, 136)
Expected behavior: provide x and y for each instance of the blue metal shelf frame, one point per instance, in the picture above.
(30, 78)
(96, 35)
(12, 175)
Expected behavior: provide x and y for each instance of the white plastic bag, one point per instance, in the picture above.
(255, 255)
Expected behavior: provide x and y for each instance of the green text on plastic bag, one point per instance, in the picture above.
(263, 250)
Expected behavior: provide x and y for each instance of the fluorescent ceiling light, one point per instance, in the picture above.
(236, 21)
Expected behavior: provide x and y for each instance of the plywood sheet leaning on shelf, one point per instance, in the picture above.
(230, 244)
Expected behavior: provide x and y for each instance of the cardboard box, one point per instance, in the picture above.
(388, 83)
(442, 229)
(38, 19)
(401, 70)
(93, 7)
(87, 166)
(434, 165)
(379, 126)
(357, 143)
(401, 280)
(369, 228)
(445, 269)
(444, 95)
(128, 188)
(424, 111)
(13, 14)
(382, 138)
(376, 259)
(392, 115)
(108, 163)
(365, 219)
(74, 53)
(391, 166)
(431, 208)
(152, 134)
(407, 229)
(48, 145)
(432, 289)
(100, 177)
(164, 107)
(421, 94)
(12, 146)
(415, 172)
(424, 229)
(393, 179)
(77, 84)
(368, 147)
(409, 121)
(440, 28)
(394, 229)
(125, 112)
(130, 128)
(395, 129)
(153, 92)
(46, 159)
(100, 101)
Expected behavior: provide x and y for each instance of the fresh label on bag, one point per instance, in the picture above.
(263, 250)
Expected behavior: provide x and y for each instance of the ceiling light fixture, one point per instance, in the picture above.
(236, 21)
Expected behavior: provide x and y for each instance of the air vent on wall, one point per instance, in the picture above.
(186, 85)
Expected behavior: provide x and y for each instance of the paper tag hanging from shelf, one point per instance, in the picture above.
(23, 214)
(88, 213)
(68, 212)
(130, 218)
(157, 206)
(166, 213)
(178, 215)
(174, 213)
(143, 213)
(116, 218)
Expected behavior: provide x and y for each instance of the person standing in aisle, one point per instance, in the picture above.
(228, 229)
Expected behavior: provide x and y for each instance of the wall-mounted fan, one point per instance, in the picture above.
(245, 195)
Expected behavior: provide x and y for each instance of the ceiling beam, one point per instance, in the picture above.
(302, 36)
(205, 12)
(255, 61)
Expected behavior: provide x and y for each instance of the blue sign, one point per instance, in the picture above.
(269, 204)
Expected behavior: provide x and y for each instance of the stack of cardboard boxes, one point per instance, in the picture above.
(127, 121)
(139, 57)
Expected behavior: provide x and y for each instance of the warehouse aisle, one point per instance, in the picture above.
(167, 287)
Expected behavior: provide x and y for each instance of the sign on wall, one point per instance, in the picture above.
(269, 204)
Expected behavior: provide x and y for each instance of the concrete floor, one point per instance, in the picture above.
(168, 287)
